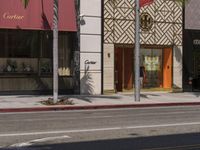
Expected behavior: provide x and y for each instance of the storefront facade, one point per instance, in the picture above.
(161, 44)
(26, 41)
(191, 50)
(91, 49)
(26, 38)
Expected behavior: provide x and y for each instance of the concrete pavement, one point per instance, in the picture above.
(33, 102)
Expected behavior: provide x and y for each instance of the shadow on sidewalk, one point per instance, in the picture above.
(87, 98)
(91, 98)
(197, 94)
(146, 95)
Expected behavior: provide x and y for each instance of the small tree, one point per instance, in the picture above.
(55, 47)
(25, 3)
(182, 1)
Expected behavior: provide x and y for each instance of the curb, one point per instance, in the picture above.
(60, 108)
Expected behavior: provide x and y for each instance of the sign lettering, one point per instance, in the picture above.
(90, 62)
(9, 16)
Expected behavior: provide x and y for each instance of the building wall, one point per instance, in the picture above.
(190, 48)
(90, 46)
(192, 15)
(109, 66)
(166, 31)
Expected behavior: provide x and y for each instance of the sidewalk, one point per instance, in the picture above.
(20, 103)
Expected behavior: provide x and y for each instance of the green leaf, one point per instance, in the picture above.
(25, 3)
(182, 1)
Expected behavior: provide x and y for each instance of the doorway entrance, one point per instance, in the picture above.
(123, 68)
(158, 67)
(196, 71)
(151, 59)
(157, 64)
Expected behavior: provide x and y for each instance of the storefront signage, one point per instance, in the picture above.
(196, 42)
(9, 16)
(87, 62)
(37, 15)
(90, 61)
(146, 21)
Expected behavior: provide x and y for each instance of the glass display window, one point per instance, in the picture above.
(151, 59)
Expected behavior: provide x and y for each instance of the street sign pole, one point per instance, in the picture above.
(55, 51)
(137, 51)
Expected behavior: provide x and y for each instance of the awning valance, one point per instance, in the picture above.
(38, 15)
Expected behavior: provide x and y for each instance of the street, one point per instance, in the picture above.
(161, 128)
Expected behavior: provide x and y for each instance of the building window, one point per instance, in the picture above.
(65, 53)
(46, 44)
(19, 44)
(35, 48)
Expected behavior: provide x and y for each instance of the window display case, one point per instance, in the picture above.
(25, 74)
(25, 67)
(26, 60)
(45, 67)
(14, 67)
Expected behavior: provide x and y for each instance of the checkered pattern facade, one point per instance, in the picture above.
(119, 22)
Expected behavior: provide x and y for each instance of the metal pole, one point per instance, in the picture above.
(55, 51)
(137, 51)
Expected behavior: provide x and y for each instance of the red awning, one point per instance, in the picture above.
(38, 15)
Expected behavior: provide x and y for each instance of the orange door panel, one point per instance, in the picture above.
(167, 68)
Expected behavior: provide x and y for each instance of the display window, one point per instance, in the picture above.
(151, 60)
(31, 52)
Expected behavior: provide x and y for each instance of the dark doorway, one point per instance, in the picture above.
(196, 70)
(191, 60)
(123, 68)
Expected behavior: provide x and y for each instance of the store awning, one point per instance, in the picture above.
(38, 15)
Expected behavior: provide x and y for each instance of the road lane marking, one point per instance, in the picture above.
(100, 129)
(36, 141)
(99, 117)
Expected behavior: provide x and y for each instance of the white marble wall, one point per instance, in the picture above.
(109, 67)
(177, 67)
(90, 47)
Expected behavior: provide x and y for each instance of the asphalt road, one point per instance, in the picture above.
(164, 128)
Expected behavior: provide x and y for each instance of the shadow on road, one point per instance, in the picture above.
(178, 142)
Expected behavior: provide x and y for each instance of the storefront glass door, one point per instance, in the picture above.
(151, 59)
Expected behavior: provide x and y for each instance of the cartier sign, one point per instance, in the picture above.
(90, 62)
(9, 16)
(37, 15)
